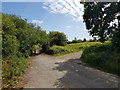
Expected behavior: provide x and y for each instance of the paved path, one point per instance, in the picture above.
(66, 72)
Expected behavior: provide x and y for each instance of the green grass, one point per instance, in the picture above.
(12, 68)
(69, 48)
(102, 56)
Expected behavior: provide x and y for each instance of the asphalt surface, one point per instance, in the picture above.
(66, 72)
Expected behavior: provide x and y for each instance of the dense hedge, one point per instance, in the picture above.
(57, 38)
(102, 56)
(69, 48)
(56, 50)
(13, 67)
(19, 38)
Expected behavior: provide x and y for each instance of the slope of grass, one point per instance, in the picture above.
(12, 68)
(102, 56)
(69, 48)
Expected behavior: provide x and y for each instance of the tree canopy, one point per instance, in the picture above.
(19, 36)
(57, 38)
(102, 20)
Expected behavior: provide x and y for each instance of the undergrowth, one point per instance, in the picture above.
(13, 67)
(69, 48)
(102, 56)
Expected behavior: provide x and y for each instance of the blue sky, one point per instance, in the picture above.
(54, 16)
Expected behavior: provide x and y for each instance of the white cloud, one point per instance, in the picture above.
(37, 21)
(67, 7)
(68, 26)
(72, 26)
(45, 7)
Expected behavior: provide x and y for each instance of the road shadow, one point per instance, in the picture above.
(70, 79)
(79, 75)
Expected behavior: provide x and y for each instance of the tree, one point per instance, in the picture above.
(79, 40)
(57, 38)
(94, 39)
(102, 19)
(10, 45)
(75, 40)
(90, 40)
(20, 36)
(84, 40)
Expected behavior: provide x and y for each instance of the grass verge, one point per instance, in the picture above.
(13, 68)
(102, 56)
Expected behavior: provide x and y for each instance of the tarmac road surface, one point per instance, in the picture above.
(66, 72)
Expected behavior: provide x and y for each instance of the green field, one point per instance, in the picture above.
(70, 48)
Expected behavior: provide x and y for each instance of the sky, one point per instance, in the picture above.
(61, 15)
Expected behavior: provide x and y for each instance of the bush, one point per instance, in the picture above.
(10, 45)
(45, 48)
(20, 36)
(12, 68)
(69, 48)
(102, 56)
(56, 50)
(116, 40)
(57, 38)
(19, 39)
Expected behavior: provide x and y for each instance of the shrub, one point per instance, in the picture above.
(12, 67)
(102, 56)
(10, 45)
(55, 50)
(19, 38)
(69, 48)
(45, 48)
(57, 38)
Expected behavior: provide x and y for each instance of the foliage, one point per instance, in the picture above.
(84, 40)
(45, 48)
(79, 41)
(55, 50)
(12, 68)
(10, 45)
(74, 41)
(116, 40)
(69, 48)
(36, 46)
(102, 19)
(57, 38)
(19, 38)
(93, 40)
(102, 56)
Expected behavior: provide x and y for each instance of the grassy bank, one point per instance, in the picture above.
(13, 68)
(102, 56)
(69, 48)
